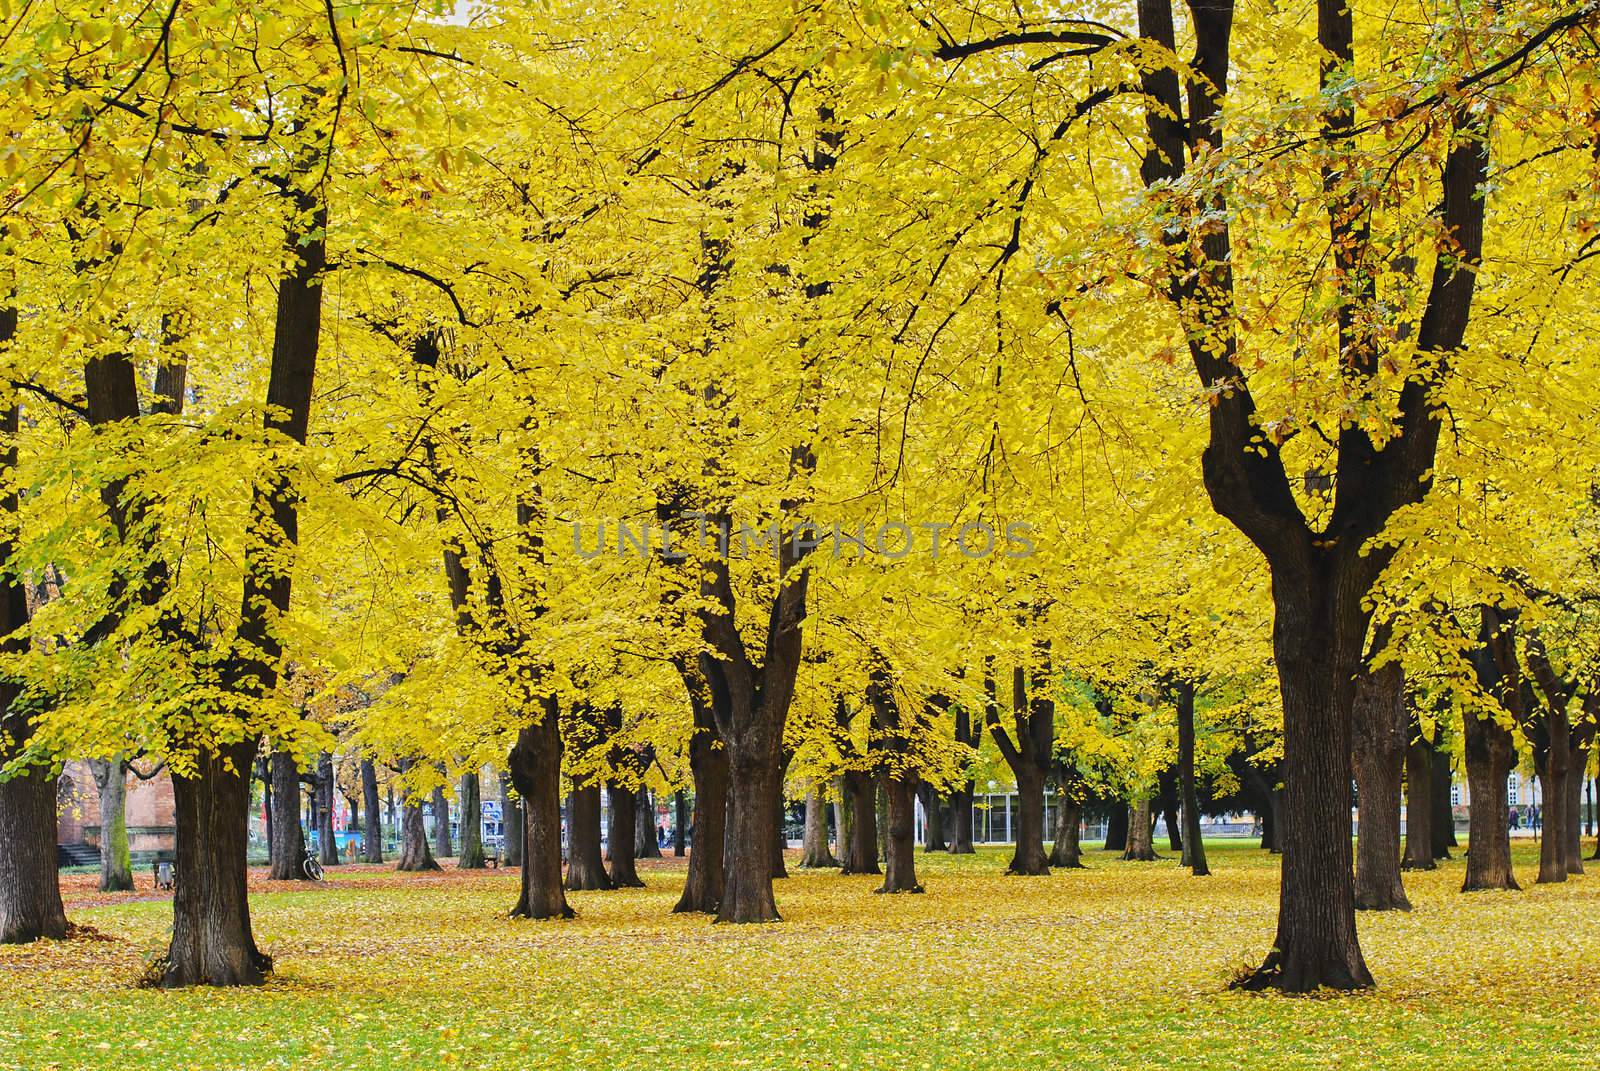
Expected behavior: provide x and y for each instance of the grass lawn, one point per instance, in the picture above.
(1123, 965)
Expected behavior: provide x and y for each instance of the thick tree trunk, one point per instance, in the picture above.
(288, 838)
(1443, 825)
(212, 943)
(1141, 846)
(30, 896)
(1318, 633)
(646, 837)
(535, 768)
(1065, 850)
(1194, 848)
(586, 868)
(472, 857)
(708, 765)
(960, 832)
(1380, 724)
(1490, 755)
(1116, 827)
(621, 831)
(111, 784)
(1028, 858)
(933, 838)
(816, 853)
(756, 786)
(860, 850)
(1419, 805)
(327, 843)
(414, 851)
(372, 835)
(900, 871)
(442, 847)
(1553, 776)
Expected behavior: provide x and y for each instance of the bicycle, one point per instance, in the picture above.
(312, 866)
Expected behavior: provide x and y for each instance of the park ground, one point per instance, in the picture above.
(1122, 965)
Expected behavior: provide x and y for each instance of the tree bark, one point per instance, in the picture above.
(621, 830)
(816, 852)
(900, 871)
(415, 854)
(535, 769)
(1029, 754)
(288, 836)
(1194, 848)
(1380, 724)
(1141, 828)
(708, 766)
(212, 943)
(372, 836)
(30, 896)
(1443, 825)
(1419, 803)
(472, 857)
(1117, 823)
(586, 867)
(933, 837)
(442, 847)
(1490, 754)
(861, 849)
(327, 843)
(646, 840)
(1028, 858)
(968, 735)
(1065, 851)
(780, 833)
(111, 783)
(511, 824)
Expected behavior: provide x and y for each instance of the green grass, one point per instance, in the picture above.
(1122, 965)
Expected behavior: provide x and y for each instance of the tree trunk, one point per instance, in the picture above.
(372, 836)
(680, 823)
(535, 768)
(30, 896)
(1065, 851)
(621, 831)
(647, 839)
(327, 843)
(861, 849)
(1490, 755)
(1553, 776)
(708, 766)
(1194, 848)
(442, 848)
(586, 867)
(1443, 825)
(1419, 805)
(1141, 846)
(414, 851)
(900, 871)
(1592, 808)
(1116, 827)
(288, 837)
(212, 943)
(511, 826)
(1318, 633)
(1573, 819)
(748, 870)
(1029, 858)
(111, 783)
(472, 857)
(816, 853)
(961, 819)
(933, 838)
(780, 832)
(1380, 724)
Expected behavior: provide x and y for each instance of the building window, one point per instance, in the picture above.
(1455, 795)
(1511, 790)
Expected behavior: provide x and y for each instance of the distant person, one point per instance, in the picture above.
(1516, 819)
